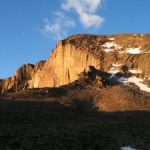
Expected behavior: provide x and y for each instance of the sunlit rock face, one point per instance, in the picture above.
(64, 66)
(22, 78)
(75, 54)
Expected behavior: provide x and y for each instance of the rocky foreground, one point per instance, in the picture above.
(26, 125)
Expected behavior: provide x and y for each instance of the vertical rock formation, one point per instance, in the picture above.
(64, 66)
(21, 79)
(76, 53)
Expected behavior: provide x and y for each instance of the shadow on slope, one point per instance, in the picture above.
(31, 125)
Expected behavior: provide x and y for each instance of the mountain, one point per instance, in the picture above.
(122, 53)
(92, 93)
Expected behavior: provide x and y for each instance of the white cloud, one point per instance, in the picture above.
(57, 29)
(86, 10)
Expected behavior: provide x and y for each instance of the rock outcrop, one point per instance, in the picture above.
(64, 66)
(22, 78)
(75, 54)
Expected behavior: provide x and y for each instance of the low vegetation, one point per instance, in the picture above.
(44, 126)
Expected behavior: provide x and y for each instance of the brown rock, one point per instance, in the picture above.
(21, 78)
(75, 54)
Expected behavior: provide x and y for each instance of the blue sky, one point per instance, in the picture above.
(30, 29)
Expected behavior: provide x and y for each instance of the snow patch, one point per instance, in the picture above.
(123, 80)
(110, 46)
(139, 83)
(134, 71)
(133, 50)
(108, 50)
(127, 148)
(136, 81)
(113, 72)
(111, 39)
(116, 65)
(114, 69)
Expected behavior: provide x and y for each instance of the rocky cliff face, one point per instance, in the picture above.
(74, 55)
(22, 78)
(64, 66)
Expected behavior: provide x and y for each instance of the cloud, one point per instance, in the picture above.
(86, 10)
(57, 29)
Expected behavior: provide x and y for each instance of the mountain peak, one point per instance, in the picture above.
(74, 55)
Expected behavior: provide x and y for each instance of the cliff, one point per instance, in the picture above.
(75, 54)
(22, 78)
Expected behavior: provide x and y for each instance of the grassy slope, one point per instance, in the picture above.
(45, 126)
